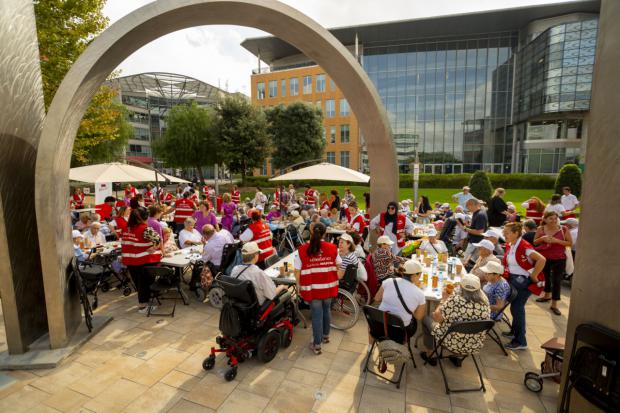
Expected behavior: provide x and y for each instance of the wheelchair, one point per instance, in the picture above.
(345, 307)
(255, 330)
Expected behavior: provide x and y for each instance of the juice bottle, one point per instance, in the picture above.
(435, 281)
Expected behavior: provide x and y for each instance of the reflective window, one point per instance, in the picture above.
(260, 90)
(344, 134)
(344, 107)
(331, 157)
(344, 159)
(273, 88)
(330, 108)
(307, 85)
(294, 85)
(332, 134)
(318, 105)
(320, 83)
(283, 87)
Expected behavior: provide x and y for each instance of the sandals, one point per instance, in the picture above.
(543, 300)
(555, 311)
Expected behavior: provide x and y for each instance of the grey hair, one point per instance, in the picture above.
(477, 296)
(247, 258)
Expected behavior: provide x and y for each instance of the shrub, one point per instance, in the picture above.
(570, 175)
(480, 186)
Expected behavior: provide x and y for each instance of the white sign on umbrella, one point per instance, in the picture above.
(326, 172)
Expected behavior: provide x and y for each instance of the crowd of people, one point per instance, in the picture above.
(500, 249)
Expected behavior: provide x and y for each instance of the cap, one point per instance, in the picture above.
(295, 213)
(470, 282)
(250, 248)
(76, 234)
(412, 267)
(492, 233)
(445, 205)
(347, 237)
(405, 202)
(465, 188)
(486, 244)
(384, 239)
(461, 216)
(571, 222)
(432, 232)
(493, 267)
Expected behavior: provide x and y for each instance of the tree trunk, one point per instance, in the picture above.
(200, 175)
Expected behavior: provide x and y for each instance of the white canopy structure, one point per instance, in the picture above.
(326, 172)
(118, 172)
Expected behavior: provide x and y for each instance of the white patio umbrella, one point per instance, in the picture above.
(326, 172)
(117, 172)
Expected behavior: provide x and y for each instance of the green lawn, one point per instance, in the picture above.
(516, 196)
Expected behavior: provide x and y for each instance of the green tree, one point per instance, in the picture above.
(190, 138)
(297, 133)
(480, 186)
(570, 175)
(104, 130)
(242, 135)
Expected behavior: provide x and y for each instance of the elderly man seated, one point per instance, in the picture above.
(93, 236)
(485, 256)
(433, 246)
(189, 236)
(263, 285)
(214, 246)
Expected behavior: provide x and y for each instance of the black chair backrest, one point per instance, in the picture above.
(511, 297)
(349, 279)
(228, 254)
(239, 291)
(159, 272)
(448, 230)
(271, 260)
(470, 327)
(377, 320)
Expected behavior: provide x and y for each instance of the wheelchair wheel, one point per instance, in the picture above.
(533, 382)
(127, 291)
(268, 346)
(105, 286)
(215, 297)
(208, 363)
(231, 374)
(286, 338)
(345, 310)
(362, 294)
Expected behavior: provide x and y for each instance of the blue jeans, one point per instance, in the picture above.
(321, 318)
(517, 307)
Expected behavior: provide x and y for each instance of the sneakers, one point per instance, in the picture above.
(515, 346)
(325, 339)
(316, 349)
(145, 310)
(508, 334)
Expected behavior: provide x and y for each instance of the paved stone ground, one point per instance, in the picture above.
(139, 364)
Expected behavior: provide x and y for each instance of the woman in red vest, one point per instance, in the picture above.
(316, 269)
(77, 199)
(259, 232)
(356, 219)
(534, 208)
(394, 225)
(149, 197)
(235, 195)
(523, 267)
(551, 240)
(140, 248)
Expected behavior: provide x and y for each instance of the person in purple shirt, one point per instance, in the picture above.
(204, 216)
(153, 221)
(229, 209)
(274, 214)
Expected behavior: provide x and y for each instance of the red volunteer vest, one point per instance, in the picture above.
(149, 199)
(261, 234)
(309, 196)
(235, 197)
(325, 205)
(358, 219)
(194, 198)
(184, 208)
(104, 210)
(524, 262)
(135, 248)
(131, 193)
(121, 226)
(276, 198)
(77, 201)
(319, 273)
(400, 228)
(532, 213)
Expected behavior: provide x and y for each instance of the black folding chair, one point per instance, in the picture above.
(499, 317)
(167, 281)
(385, 326)
(465, 328)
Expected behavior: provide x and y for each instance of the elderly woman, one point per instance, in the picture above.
(204, 216)
(189, 236)
(433, 246)
(485, 255)
(168, 241)
(93, 236)
(346, 250)
(84, 222)
(383, 259)
(469, 303)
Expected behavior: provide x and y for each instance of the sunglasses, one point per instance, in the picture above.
(391, 207)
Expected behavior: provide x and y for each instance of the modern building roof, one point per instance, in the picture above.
(272, 48)
(167, 85)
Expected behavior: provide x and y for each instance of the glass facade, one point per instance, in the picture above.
(554, 71)
(450, 98)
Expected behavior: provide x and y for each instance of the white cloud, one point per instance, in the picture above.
(213, 53)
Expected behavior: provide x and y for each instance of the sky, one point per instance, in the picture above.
(214, 55)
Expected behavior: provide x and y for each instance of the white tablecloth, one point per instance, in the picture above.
(182, 258)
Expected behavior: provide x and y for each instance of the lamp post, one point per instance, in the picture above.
(416, 169)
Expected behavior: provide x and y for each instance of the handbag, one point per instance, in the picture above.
(570, 264)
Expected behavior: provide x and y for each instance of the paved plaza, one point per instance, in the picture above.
(139, 364)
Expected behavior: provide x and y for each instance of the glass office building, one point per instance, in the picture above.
(502, 91)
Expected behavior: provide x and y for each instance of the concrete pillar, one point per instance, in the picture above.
(596, 288)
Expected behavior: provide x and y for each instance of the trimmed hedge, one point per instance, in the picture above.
(508, 181)
(480, 186)
(570, 175)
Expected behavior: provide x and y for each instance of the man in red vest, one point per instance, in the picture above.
(393, 224)
(259, 232)
(149, 198)
(183, 208)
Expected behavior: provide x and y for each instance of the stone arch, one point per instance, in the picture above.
(126, 36)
